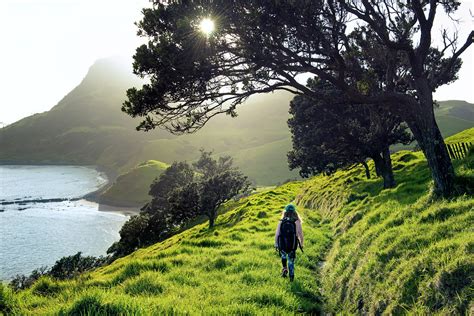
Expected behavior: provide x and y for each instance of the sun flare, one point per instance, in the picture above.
(207, 26)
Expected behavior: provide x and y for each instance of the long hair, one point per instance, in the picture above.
(292, 215)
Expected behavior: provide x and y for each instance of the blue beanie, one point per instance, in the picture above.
(290, 208)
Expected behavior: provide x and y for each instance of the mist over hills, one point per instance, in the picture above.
(87, 127)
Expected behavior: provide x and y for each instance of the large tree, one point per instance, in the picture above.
(260, 46)
(327, 136)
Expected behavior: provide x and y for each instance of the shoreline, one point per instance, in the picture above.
(91, 197)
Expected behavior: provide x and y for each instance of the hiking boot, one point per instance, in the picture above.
(292, 277)
(284, 272)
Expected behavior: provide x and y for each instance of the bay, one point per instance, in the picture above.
(35, 233)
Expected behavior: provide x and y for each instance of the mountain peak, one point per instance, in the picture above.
(109, 71)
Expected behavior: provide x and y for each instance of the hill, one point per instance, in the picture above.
(367, 251)
(131, 188)
(87, 128)
(466, 136)
(454, 116)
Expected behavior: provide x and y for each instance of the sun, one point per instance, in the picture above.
(207, 26)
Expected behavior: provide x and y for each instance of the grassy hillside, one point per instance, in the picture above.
(232, 269)
(466, 136)
(367, 250)
(454, 116)
(131, 188)
(395, 250)
(265, 162)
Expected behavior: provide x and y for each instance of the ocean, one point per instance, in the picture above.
(44, 218)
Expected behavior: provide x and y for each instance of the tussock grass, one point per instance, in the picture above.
(231, 269)
(396, 251)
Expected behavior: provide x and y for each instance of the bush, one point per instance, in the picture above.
(71, 266)
(65, 268)
(21, 281)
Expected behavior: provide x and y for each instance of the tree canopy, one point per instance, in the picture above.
(326, 136)
(262, 46)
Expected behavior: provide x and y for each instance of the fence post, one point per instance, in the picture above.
(450, 151)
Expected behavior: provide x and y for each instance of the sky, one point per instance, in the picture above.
(49, 45)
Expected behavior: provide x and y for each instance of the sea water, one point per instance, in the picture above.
(35, 233)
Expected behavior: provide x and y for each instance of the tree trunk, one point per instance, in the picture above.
(211, 221)
(383, 165)
(423, 125)
(367, 171)
(388, 178)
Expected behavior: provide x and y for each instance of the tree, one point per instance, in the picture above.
(177, 175)
(179, 195)
(135, 233)
(261, 46)
(218, 189)
(326, 136)
(217, 182)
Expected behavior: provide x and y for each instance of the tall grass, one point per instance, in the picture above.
(397, 251)
(231, 269)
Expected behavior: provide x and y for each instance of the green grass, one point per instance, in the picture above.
(396, 251)
(131, 188)
(367, 251)
(465, 136)
(231, 269)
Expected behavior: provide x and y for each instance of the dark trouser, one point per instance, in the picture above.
(290, 258)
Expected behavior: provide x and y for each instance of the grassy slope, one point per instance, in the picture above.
(392, 251)
(264, 162)
(465, 136)
(454, 116)
(131, 188)
(232, 269)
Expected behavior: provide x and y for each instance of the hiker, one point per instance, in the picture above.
(288, 236)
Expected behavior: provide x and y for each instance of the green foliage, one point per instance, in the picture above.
(330, 135)
(71, 266)
(181, 195)
(67, 267)
(21, 281)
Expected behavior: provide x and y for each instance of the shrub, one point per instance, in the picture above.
(21, 281)
(71, 266)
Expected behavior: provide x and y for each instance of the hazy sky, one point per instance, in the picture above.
(48, 46)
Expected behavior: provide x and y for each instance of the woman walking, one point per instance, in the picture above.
(288, 236)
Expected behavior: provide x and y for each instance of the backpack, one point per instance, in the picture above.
(287, 240)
